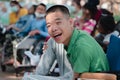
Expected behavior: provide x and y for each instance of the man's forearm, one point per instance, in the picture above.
(105, 76)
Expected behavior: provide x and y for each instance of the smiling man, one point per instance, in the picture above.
(83, 52)
(60, 26)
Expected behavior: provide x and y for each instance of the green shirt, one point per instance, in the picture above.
(85, 55)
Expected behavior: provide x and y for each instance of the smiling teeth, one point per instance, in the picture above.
(57, 35)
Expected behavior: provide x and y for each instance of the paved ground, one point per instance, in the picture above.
(9, 74)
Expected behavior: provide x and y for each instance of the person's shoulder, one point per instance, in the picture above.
(12, 13)
(83, 38)
(23, 17)
(23, 10)
(80, 37)
(82, 34)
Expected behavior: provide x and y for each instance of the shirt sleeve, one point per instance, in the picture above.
(46, 60)
(89, 26)
(27, 29)
(107, 38)
(43, 30)
(20, 23)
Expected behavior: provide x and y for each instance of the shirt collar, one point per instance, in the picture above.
(73, 39)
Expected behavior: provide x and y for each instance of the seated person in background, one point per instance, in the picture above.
(106, 28)
(77, 13)
(37, 28)
(38, 24)
(96, 12)
(24, 21)
(86, 22)
(20, 25)
(78, 8)
(83, 52)
(17, 11)
(4, 15)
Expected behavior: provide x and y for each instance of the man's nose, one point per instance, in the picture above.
(54, 28)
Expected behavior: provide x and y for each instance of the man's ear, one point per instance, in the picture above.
(71, 21)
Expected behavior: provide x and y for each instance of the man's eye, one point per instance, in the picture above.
(58, 23)
(48, 26)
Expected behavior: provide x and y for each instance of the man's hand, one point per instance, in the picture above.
(10, 26)
(76, 75)
(32, 33)
(45, 46)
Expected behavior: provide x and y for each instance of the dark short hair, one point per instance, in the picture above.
(107, 22)
(92, 9)
(60, 8)
(34, 7)
(15, 2)
(42, 4)
(77, 2)
(94, 2)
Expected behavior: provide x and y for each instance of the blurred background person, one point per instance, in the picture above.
(91, 12)
(106, 28)
(23, 21)
(17, 11)
(36, 28)
(4, 15)
(77, 11)
(86, 22)
(96, 13)
(77, 8)
(38, 24)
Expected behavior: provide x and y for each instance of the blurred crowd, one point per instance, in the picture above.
(111, 5)
(99, 19)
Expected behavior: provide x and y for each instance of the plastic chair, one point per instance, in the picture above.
(113, 55)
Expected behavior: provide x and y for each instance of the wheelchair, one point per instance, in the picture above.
(13, 47)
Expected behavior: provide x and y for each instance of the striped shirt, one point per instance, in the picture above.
(89, 26)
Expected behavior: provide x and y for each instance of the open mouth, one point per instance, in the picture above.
(58, 35)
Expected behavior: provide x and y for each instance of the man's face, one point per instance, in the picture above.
(41, 9)
(60, 27)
